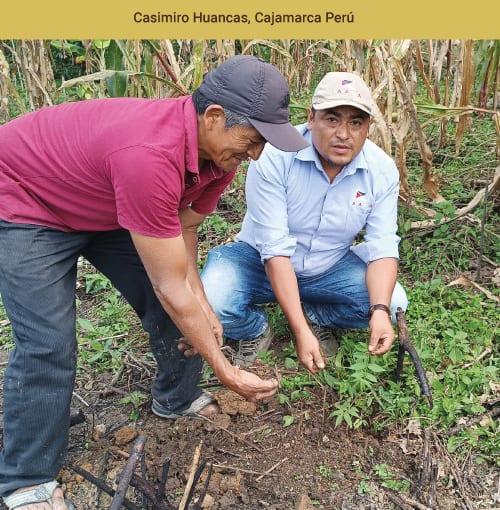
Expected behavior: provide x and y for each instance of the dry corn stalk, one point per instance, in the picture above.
(467, 82)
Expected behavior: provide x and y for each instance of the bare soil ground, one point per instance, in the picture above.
(249, 459)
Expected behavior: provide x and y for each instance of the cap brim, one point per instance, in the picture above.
(283, 136)
(326, 105)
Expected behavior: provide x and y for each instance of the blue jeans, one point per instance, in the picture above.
(236, 284)
(38, 269)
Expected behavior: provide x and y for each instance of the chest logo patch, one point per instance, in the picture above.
(361, 201)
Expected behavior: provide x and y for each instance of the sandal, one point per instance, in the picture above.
(39, 494)
(193, 411)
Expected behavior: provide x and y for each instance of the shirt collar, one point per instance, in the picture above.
(191, 130)
(191, 152)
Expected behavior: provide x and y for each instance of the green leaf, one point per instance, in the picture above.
(114, 57)
(85, 324)
(375, 368)
(117, 84)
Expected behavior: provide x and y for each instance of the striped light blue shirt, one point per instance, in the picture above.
(294, 210)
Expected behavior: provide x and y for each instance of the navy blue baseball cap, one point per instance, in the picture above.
(253, 88)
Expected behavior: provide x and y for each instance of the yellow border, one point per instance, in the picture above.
(278, 19)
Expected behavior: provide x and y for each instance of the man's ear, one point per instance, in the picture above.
(310, 117)
(214, 115)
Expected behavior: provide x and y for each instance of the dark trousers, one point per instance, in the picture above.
(38, 269)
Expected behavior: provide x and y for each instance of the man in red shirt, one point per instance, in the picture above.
(124, 183)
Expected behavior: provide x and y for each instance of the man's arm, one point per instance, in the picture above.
(166, 263)
(381, 278)
(190, 222)
(284, 283)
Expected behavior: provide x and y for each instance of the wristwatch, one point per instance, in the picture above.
(379, 307)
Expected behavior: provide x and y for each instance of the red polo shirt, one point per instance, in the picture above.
(105, 164)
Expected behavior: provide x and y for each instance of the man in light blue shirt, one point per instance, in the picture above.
(298, 245)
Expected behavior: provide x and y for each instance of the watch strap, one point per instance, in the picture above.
(379, 306)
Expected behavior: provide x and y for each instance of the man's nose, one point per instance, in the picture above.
(255, 151)
(342, 130)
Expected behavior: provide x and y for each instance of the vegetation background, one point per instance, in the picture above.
(437, 114)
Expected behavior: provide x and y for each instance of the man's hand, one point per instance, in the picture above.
(381, 333)
(309, 353)
(248, 385)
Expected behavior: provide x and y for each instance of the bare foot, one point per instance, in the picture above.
(210, 410)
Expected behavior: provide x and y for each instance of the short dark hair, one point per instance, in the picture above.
(201, 103)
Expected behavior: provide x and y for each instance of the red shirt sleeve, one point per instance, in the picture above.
(211, 190)
(148, 188)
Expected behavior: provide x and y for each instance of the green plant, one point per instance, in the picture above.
(364, 486)
(96, 282)
(345, 412)
(104, 338)
(325, 471)
(6, 341)
(389, 479)
(137, 399)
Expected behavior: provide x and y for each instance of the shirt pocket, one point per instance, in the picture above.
(359, 210)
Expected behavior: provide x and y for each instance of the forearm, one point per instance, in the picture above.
(284, 283)
(191, 242)
(185, 310)
(283, 280)
(381, 276)
(166, 262)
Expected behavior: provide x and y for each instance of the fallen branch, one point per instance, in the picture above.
(455, 472)
(404, 502)
(247, 471)
(485, 353)
(194, 466)
(271, 469)
(101, 485)
(127, 473)
(464, 210)
(406, 345)
(492, 413)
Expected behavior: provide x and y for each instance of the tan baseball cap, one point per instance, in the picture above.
(342, 89)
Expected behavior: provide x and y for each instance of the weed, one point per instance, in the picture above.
(364, 486)
(96, 282)
(6, 341)
(137, 399)
(344, 412)
(325, 471)
(104, 338)
(389, 479)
